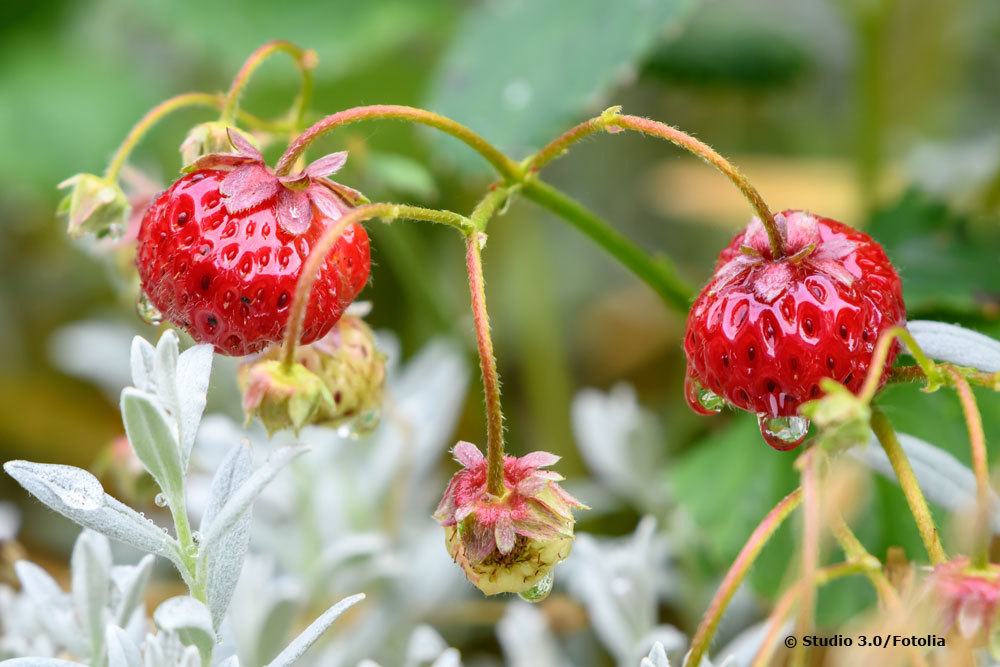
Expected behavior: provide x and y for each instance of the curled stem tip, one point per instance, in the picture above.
(488, 365)
(305, 61)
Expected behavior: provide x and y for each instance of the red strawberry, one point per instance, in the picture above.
(764, 332)
(221, 251)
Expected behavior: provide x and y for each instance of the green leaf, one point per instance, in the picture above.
(948, 262)
(498, 75)
(154, 440)
(729, 481)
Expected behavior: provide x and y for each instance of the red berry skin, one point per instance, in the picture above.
(763, 333)
(229, 278)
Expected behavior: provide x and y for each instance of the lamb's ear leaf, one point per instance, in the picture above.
(957, 345)
(301, 644)
(189, 619)
(154, 439)
(225, 555)
(91, 574)
(122, 651)
(78, 496)
(131, 582)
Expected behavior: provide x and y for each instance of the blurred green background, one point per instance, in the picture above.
(882, 113)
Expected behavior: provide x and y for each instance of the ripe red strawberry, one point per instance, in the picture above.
(220, 252)
(764, 332)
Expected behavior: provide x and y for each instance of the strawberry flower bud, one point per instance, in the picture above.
(282, 397)
(206, 139)
(95, 206)
(841, 417)
(968, 596)
(508, 543)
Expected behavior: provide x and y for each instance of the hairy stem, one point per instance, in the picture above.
(737, 572)
(910, 486)
(611, 120)
(388, 212)
(881, 355)
(811, 518)
(488, 365)
(507, 168)
(659, 275)
(305, 60)
(977, 443)
(153, 116)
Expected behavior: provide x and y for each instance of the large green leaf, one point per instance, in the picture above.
(949, 263)
(519, 71)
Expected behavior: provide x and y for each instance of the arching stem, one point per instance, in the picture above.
(737, 573)
(507, 168)
(153, 116)
(305, 60)
(911, 487)
(612, 121)
(487, 363)
(977, 442)
(388, 212)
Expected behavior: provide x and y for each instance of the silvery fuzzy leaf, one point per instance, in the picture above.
(526, 639)
(154, 439)
(231, 661)
(91, 572)
(350, 547)
(667, 637)
(262, 610)
(178, 380)
(53, 607)
(657, 657)
(122, 651)
(40, 662)
(943, 478)
(225, 556)
(957, 345)
(77, 495)
(190, 620)
(301, 644)
(425, 645)
(130, 582)
(619, 440)
(450, 658)
(742, 649)
(242, 500)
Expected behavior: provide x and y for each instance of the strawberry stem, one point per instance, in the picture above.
(150, 119)
(611, 121)
(977, 443)
(305, 60)
(487, 363)
(509, 169)
(310, 271)
(911, 487)
(738, 572)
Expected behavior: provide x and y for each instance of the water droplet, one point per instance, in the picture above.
(783, 433)
(147, 311)
(539, 591)
(160, 500)
(196, 537)
(191, 550)
(703, 401)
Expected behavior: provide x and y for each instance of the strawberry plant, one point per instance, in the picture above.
(801, 325)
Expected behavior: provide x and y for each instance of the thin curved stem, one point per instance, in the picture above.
(303, 288)
(811, 519)
(737, 572)
(659, 275)
(507, 168)
(911, 487)
(881, 355)
(980, 466)
(612, 121)
(153, 116)
(305, 60)
(487, 363)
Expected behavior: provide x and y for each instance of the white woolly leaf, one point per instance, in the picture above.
(957, 345)
(301, 644)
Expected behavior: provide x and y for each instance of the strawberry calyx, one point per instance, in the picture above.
(251, 182)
